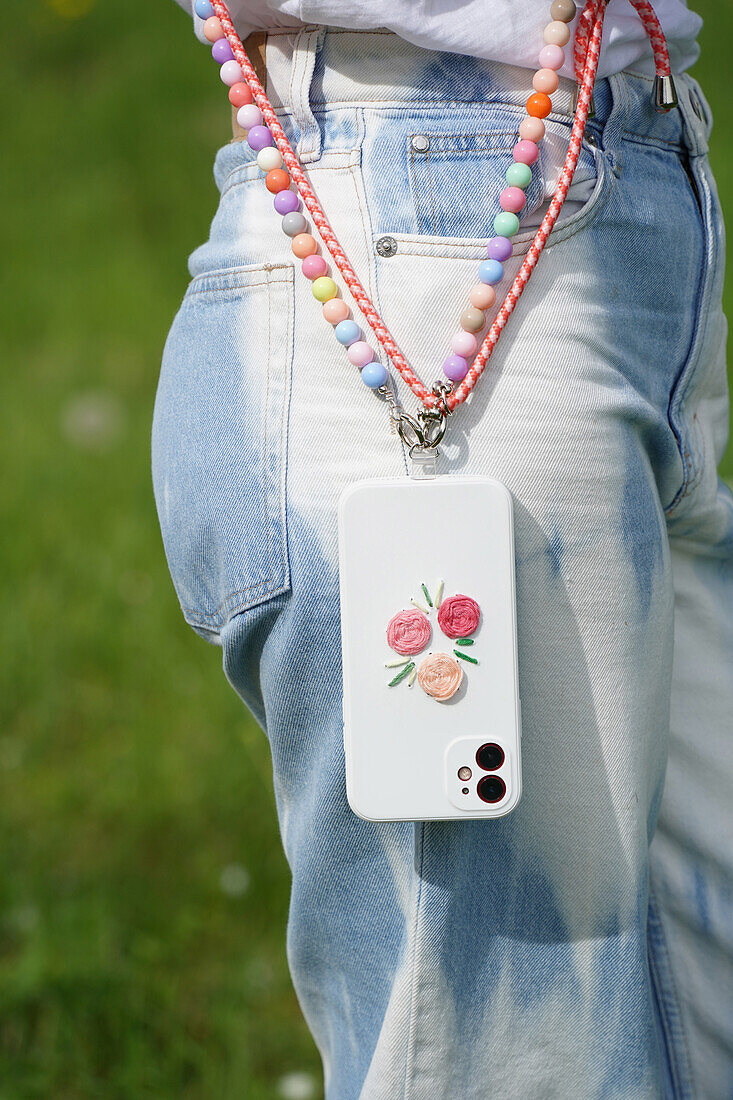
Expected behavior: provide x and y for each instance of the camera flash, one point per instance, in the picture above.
(464, 773)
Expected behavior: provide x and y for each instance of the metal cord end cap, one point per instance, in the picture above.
(665, 93)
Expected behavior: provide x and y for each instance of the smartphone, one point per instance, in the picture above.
(431, 708)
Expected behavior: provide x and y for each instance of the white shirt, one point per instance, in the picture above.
(499, 30)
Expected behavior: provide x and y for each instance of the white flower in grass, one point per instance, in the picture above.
(234, 880)
(296, 1086)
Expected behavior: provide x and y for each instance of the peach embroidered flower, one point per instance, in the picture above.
(408, 632)
(458, 616)
(439, 675)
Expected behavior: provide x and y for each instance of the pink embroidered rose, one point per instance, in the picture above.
(439, 675)
(408, 632)
(458, 616)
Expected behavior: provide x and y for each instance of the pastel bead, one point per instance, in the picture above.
(213, 29)
(259, 137)
(231, 73)
(564, 10)
(314, 266)
(455, 367)
(286, 202)
(465, 343)
(552, 57)
(304, 244)
(268, 158)
(374, 374)
(545, 80)
(347, 332)
(276, 180)
(472, 319)
(519, 174)
(539, 105)
(360, 353)
(221, 51)
(556, 33)
(239, 94)
(324, 288)
(482, 296)
(490, 271)
(204, 9)
(512, 199)
(293, 223)
(506, 224)
(499, 248)
(249, 115)
(531, 129)
(526, 152)
(335, 310)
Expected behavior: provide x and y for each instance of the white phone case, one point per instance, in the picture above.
(404, 747)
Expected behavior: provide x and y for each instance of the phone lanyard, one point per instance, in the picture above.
(466, 362)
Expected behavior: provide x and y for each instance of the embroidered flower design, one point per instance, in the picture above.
(408, 632)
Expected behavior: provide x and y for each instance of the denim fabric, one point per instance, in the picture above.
(580, 947)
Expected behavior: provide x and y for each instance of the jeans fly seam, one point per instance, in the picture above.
(683, 1079)
(413, 963)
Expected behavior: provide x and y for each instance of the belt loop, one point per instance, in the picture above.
(696, 115)
(305, 47)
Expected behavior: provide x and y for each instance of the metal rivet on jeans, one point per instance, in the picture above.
(420, 143)
(591, 139)
(387, 246)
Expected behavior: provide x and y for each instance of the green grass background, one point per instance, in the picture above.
(143, 891)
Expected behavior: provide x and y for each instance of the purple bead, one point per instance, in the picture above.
(221, 51)
(499, 248)
(259, 137)
(286, 202)
(455, 367)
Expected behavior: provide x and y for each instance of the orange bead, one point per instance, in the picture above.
(335, 310)
(304, 245)
(213, 29)
(539, 105)
(482, 296)
(277, 179)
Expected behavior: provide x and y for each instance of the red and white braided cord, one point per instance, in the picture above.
(587, 55)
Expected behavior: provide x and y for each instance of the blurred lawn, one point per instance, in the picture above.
(143, 893)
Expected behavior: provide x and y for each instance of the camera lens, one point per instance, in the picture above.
(490, 757)
(491, 788)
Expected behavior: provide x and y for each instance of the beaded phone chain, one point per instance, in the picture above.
(267, 139)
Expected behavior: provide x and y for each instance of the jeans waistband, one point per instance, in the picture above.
(315, 70)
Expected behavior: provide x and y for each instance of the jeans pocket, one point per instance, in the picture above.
(220, 442)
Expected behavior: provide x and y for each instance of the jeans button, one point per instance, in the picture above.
(420, 143)
(387, 246)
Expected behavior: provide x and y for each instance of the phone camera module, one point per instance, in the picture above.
(464, 773)
(490, 757)
(491, 788)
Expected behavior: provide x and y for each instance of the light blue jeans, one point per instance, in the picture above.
(580, 947)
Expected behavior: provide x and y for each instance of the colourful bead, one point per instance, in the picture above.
(472, 319)
(455, 367)
(490, 271)
(347, 332)
(464, 343)
(374, 375)
(335, 310)
(360, 353)
(268, 158)
(304, 245)
(277, 179)
(249, 115)
(506, 224)
(513, 199)
(203, 9)
(531, 129)
(499, 248)
(314, 266)
(213, 29)
(552, 57)
(221, 51)
(546, 81)
(231, 73)
(293, 223)
(563, 10)
(286, 202)
(324, 288)
(526, 152)
(519, 174)
(482, 296)
(259, 137)
(539, 105)
(556, 33)
(239, 94)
